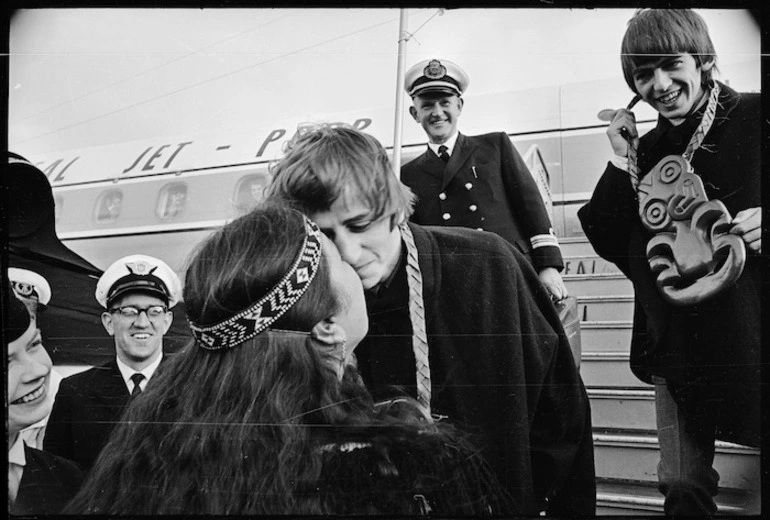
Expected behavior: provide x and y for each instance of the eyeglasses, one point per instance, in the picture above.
(153, 311)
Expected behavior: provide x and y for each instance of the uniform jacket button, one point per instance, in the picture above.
(468, 185)
(472, 207)
(442, 196)
(446, 216)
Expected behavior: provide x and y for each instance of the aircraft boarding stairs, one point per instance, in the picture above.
(623, 408)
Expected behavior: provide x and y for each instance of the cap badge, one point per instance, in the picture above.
(140, 268)
(24, 289)
(434, 70)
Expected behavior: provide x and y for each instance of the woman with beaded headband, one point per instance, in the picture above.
(265, 413)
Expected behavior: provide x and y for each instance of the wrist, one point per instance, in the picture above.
(620, 162)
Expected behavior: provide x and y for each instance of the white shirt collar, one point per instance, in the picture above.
(450, 144)
(16, 453)
(126, 371)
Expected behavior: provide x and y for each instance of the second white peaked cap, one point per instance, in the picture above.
(141, 274)
(29, 284)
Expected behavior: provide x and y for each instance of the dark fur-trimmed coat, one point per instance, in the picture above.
(710, 352)
(501, 366)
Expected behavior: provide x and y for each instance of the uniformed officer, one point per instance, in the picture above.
(30, 285)
(38, 483)
(138, 292)
(479, 182)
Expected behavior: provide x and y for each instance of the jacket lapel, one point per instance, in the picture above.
(462, 151)
(430, 163)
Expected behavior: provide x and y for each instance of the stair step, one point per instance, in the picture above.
(597, 284)
(625, 498)
(635, 457)
(608, 369)
(622, 409)
(588, 264)
(606, 308)
(575, 246)
(572, 226)
(606, 336)
(618, 497)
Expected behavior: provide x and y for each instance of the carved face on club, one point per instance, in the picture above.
(692, 255)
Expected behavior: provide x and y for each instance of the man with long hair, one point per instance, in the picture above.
(457, 318)
(696, 339)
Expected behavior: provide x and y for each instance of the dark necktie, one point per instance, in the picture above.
(442, 153)
(137, 378)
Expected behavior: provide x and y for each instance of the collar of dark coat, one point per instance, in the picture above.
(727, 101)
(430, 164)
(109, 383)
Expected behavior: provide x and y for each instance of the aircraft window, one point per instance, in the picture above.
(58, 202)
(172, 201)
(108, 206)
(249, 191)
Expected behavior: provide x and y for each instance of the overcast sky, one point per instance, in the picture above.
(88, 77)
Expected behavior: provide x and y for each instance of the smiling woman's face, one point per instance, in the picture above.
(29, 369)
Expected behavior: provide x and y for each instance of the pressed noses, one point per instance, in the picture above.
(348, 246)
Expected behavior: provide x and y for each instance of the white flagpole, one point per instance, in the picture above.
(402, 39)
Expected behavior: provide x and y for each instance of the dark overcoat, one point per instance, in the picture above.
(710, 352)
(501, 365)
(47, 484)
(485, 185)
(86, 408)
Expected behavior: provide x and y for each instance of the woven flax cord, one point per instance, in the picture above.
(417, 317)
(695, 141)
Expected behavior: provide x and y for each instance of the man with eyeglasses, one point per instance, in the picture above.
(138, 292)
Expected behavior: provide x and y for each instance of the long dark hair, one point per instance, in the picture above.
(233, 432)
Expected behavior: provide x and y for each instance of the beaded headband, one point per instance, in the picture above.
(263, 313)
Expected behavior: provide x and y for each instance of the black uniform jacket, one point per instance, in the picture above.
(710, 352)
(501, 366)
(485, 185)
(47, 484)
(87, 407)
